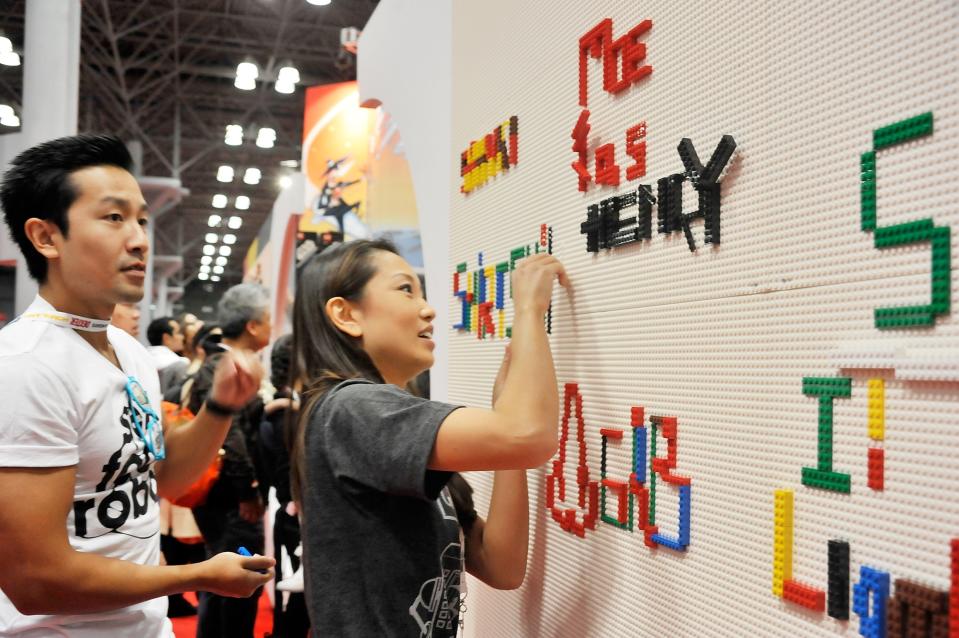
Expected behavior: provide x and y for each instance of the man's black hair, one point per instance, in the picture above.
(38, 185)
(157, 328)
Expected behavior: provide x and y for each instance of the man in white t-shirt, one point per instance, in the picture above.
(83, 458)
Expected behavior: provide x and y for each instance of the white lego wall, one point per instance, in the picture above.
(722, 338)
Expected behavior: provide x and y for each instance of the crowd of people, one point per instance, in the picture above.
(111, 452)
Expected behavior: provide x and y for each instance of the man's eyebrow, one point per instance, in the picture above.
(122, 202)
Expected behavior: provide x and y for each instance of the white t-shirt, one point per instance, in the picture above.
(65, 404)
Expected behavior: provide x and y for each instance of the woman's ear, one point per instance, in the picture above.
(343, 314)
(40, 232)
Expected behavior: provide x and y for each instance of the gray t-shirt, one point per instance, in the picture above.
(383, 552)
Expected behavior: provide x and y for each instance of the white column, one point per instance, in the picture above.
(51, 84)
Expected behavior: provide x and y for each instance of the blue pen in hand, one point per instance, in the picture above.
(243, 551)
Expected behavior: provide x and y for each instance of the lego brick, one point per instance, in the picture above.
(782, 539)
(838, 590)
(804, 595)
(869, 598)
(876, 468)
(877, 409)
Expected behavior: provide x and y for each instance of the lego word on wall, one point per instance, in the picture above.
(923, 230)
(482, 291)
(622, 67)
(604, 229)
(914, 609)
(490, 155)
(632, 492)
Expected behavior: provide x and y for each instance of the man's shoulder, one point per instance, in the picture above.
(23, 336)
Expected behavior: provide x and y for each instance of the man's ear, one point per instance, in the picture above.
(41, 232)
(344, 316)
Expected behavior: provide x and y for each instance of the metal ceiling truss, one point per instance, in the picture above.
(161, 72)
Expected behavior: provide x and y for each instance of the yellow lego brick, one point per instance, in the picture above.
(782, 540)
(877, 409)
(502, 324)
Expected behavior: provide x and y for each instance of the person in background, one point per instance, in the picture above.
(290, 619)
(189, 324)
(233, 512)
(166, 346)
(206, 342)
(126, 317)
(83, 456)
(372, 462)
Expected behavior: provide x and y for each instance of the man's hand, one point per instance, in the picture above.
(236, 576)
(236, 379)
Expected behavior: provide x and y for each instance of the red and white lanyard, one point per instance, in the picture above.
(66, 320)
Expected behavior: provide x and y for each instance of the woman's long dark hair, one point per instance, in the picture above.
(323, 356)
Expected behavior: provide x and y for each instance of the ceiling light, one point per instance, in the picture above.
(211, 238)
(319, 3)
(285, 182)
(225, 250)
(6, 46)
(224, 174)
(214, 221)
(265, 137)
(205, 269)
(246, 75)
(218, 270)
(242, 202)
(251, 176)
(203, 276)
(13, 59)
(7, 116)
(287, 79)
(229, 238)
(290, 163)
(235, 222)
(215, 278)
(209, 250)
(234, 135)
(219, 200)
(206, 260)
(221, 261)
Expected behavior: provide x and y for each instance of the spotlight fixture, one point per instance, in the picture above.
(246, 75)
(206, 260)
(221, 261)
(265, 137)
(218, 270)
(211, 238)
(242, 202)
(234, 135)
(215, 278)
(235, 222)
(203, 276)
(219, 200)
(224, 250)
(287, 79)
(209, 250)
(251, 176)
(224, 174)
(7, 116)
(214, 221)
(284, 182)
(229, 238)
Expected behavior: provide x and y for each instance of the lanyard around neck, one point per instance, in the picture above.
(66, 320)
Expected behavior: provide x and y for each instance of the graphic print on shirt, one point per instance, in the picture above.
(436, 608)
(127, 490)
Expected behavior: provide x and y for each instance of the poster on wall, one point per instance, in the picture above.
(358, 183)
(759, 359)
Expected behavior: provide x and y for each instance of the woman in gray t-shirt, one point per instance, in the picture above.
(384, 549)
